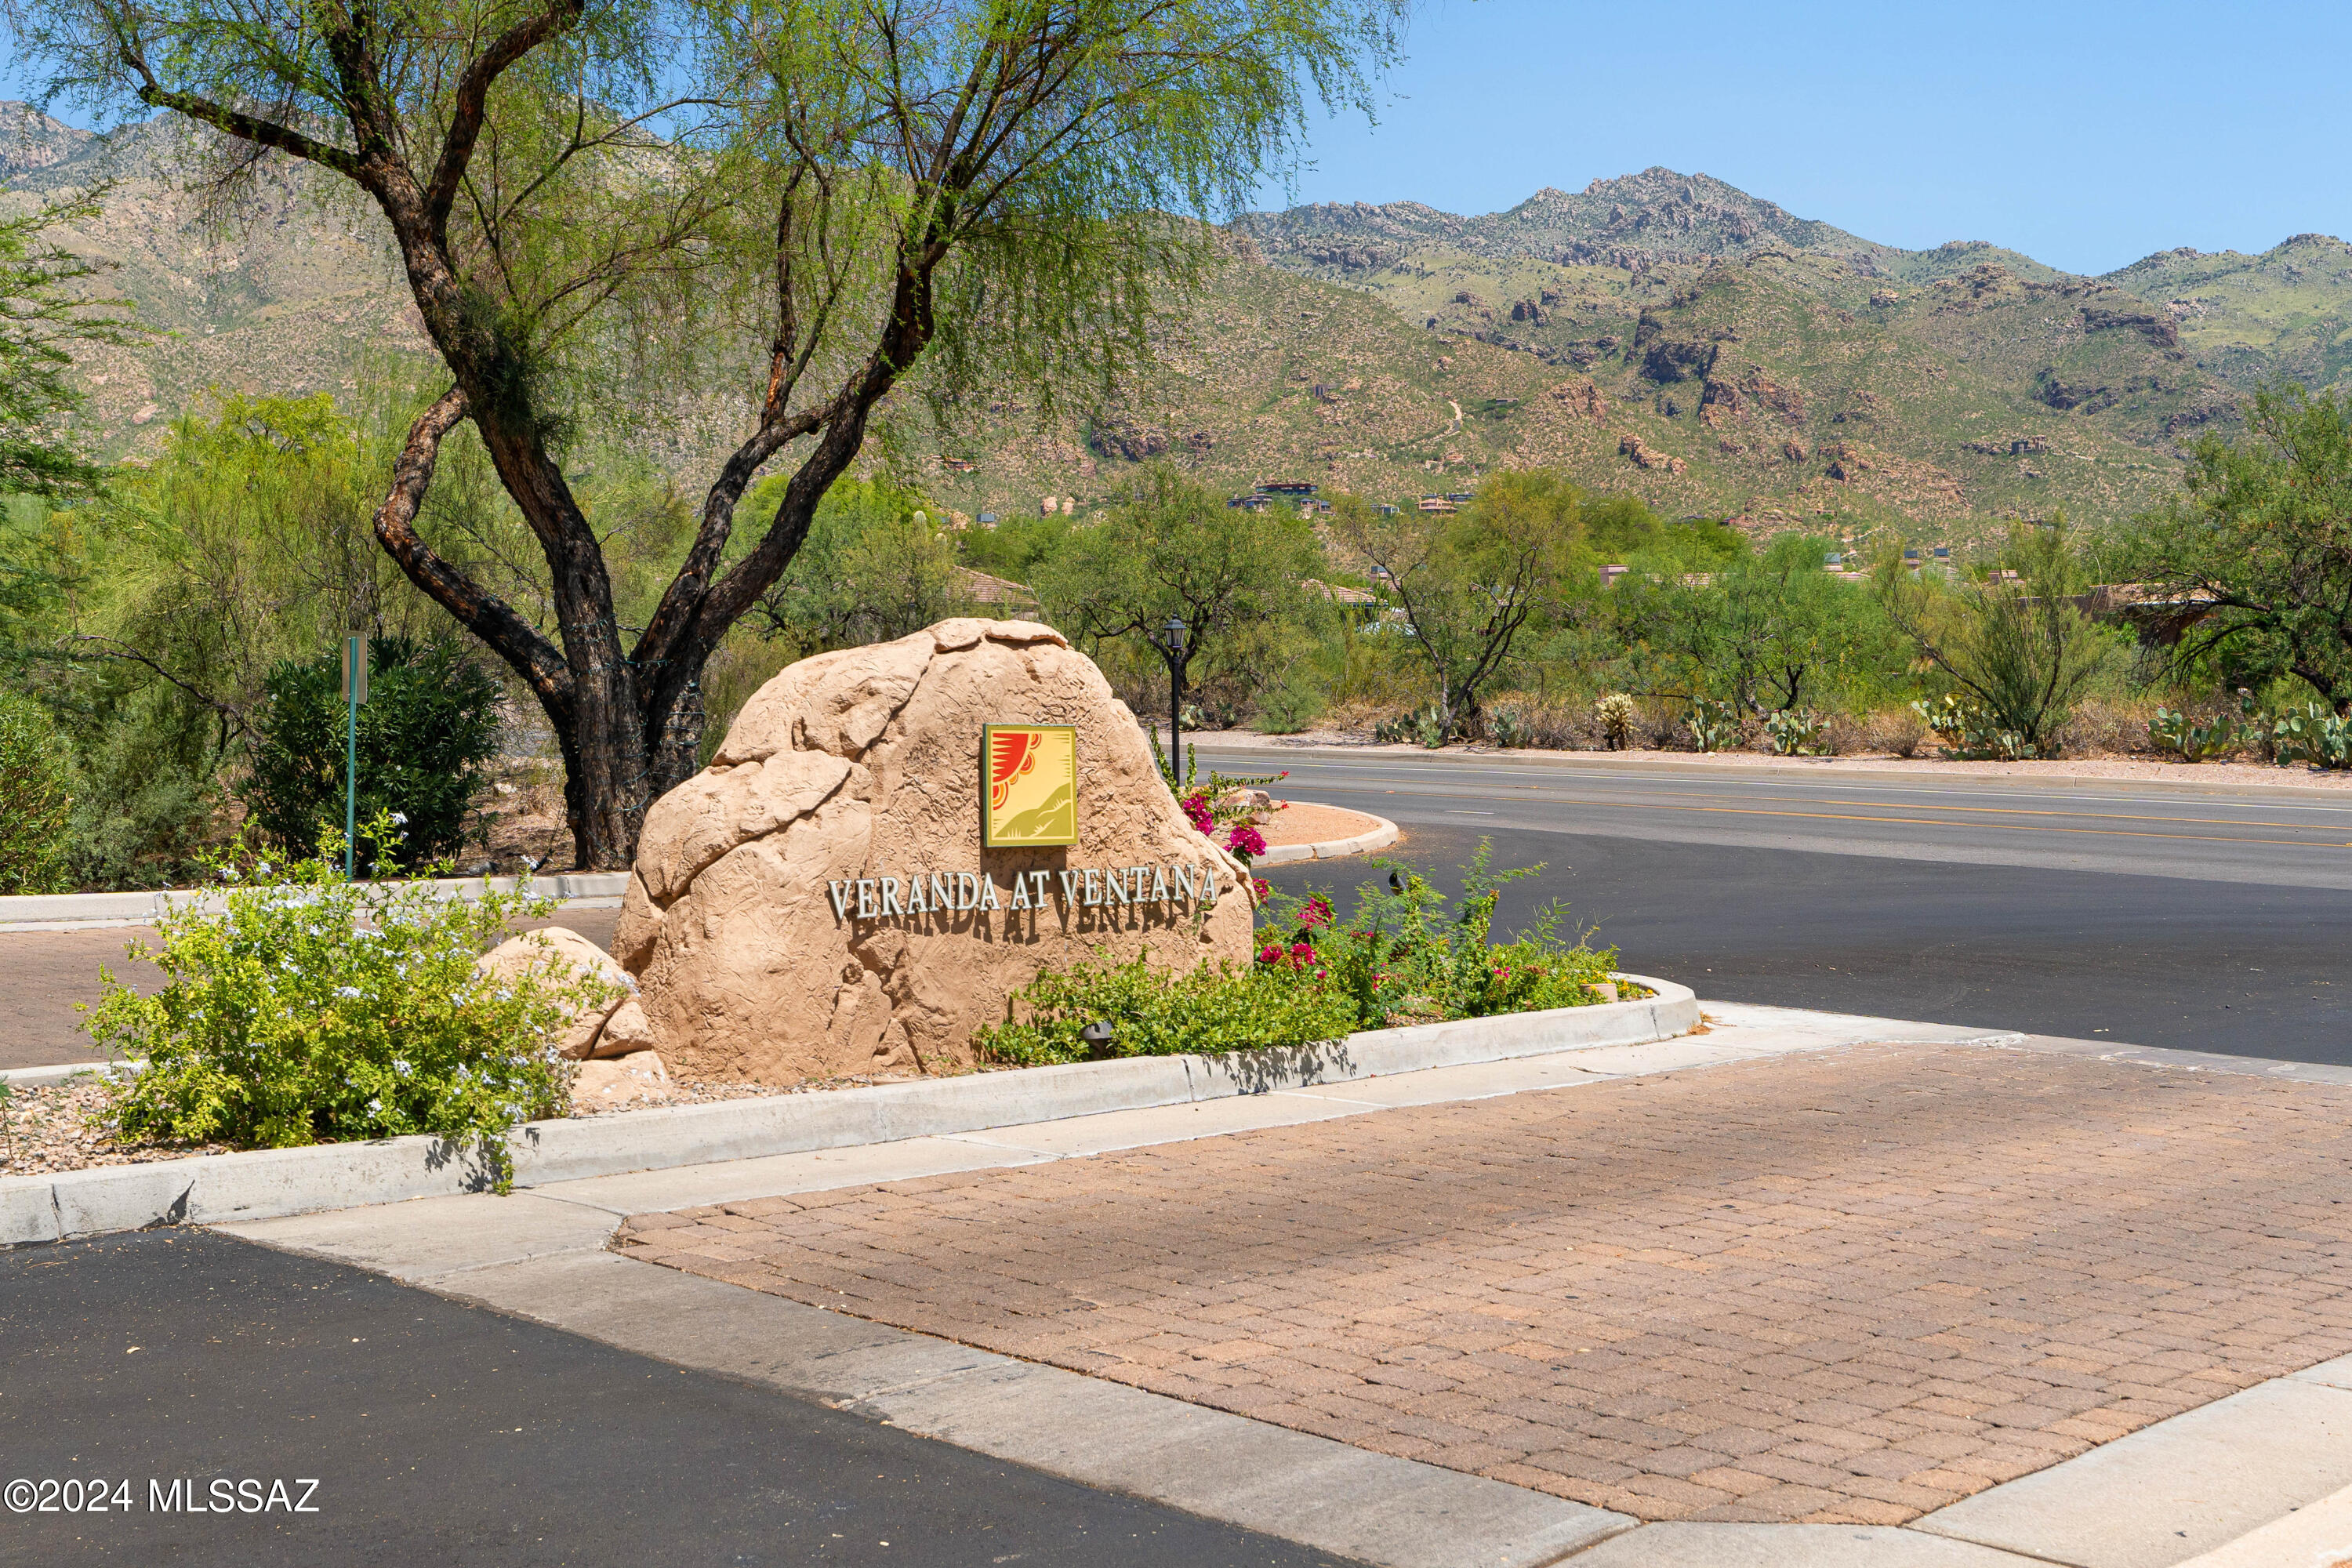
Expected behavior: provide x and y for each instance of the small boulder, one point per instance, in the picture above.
(626, 1031)
(637, 1079)
(567, 956)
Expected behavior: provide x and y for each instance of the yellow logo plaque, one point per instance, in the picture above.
(1029, 785)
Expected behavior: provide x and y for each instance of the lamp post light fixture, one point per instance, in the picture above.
(1171, 642)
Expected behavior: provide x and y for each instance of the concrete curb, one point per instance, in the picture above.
(37, 910)
(1820, 767)
(1379, 838)
(42, 1077)
(269, 1182)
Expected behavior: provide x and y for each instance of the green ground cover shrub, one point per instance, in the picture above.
(299, 1008)
(1402, 957)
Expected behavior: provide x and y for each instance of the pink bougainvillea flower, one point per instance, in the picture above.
(1246, 841)
(1196, 811)
(1315, 911)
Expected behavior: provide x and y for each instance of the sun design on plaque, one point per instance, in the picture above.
(1030, 778)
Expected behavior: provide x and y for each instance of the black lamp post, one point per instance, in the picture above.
(1170, 641)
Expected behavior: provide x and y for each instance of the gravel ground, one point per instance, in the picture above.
(56, 1128)
(1304, 822)
(699, 1091)
(48, 1130)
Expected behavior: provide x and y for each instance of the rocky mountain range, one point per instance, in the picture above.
(1660, 332)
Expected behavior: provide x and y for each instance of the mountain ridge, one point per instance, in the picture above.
(1664, 333)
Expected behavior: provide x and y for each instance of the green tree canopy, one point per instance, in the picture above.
(876, 565)
(2261, 535)
(1168, 547)
(2014, 641)
(1472, 584)
(1764, 631)
(46, 313)
(845, 191)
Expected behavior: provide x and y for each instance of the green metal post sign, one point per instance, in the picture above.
(355, 674)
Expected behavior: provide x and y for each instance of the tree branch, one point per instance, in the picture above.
(472, 102)
(481, 613)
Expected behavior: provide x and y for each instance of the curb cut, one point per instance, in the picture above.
(1379, 838)
(51, 911)
(265, 1183)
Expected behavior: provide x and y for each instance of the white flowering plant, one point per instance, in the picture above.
(301, 1008)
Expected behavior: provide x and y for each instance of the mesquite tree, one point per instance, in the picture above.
(863, 196)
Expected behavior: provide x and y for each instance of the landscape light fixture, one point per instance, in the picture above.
(1096, 1037)
(1396, 883)
(1171, 642)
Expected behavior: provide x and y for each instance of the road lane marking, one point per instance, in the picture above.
(1926, 821)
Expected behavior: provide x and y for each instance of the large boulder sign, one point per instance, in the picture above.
(894, 839)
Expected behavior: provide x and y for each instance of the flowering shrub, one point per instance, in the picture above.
(1400, 959)
(1208, 806)
(300, 1009)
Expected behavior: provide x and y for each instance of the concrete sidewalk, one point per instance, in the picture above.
(2251, 1472)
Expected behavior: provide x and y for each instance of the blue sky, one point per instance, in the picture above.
(2084, 135)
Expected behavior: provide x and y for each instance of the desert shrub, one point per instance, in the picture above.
(1900, 731)
(2018, 650)
(36, 802)
(1291, 704)
(426, 734)
(299, 1008)
(1217, 1007)
(1401, 958)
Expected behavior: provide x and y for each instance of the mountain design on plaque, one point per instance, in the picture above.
(1031, 776)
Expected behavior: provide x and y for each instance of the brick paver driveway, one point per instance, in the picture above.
(1845, 1287)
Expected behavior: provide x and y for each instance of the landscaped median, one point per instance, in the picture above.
(261, 1183)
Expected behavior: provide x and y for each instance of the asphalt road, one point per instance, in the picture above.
(443, 1434)
(2204, 922)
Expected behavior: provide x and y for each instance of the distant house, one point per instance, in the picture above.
(988, 519)
(1286, 488)
(1609, 576)
(1435, 503)
(1251, 502)
(994, 592)
(1355, 603)
(1463, 497)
